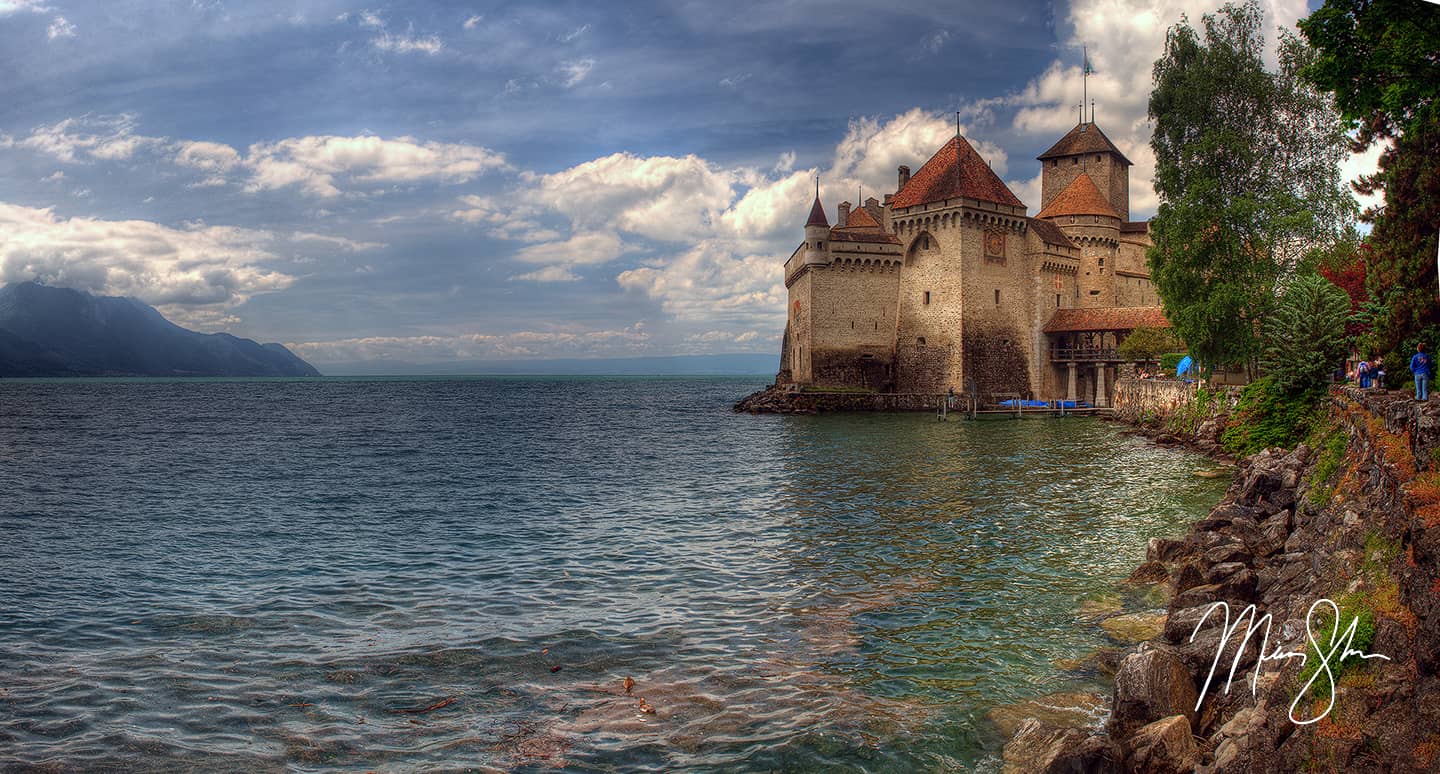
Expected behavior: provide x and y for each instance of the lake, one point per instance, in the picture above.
(453, 574)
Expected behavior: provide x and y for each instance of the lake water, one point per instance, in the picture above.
(456, 574)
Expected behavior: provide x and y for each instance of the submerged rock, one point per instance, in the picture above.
(1064, 709)
(1134, 627)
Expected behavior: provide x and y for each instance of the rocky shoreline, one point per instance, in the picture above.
(1355, 520)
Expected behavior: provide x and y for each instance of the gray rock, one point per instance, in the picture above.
(1151, 684)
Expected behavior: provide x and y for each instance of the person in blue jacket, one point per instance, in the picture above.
(1420, 367)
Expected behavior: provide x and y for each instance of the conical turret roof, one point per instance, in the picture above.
(817, 215)
(1081, 197)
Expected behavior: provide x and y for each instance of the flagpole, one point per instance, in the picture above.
(1084, 80)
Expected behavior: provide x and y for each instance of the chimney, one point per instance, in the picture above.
(904, 176)
(844, 216)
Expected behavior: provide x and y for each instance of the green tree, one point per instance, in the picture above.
(1305, 334)
(1380, 59)
(1247, 170)
(1148, 344)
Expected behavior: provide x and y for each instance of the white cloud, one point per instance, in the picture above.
(60, 28)
(317, 164)
(473, 22)
(575, 33)
(660, 197)
(586, 248)
(479, 346)
(348, 245)
(58, 176)
(508, 221)
(8, 7)
(549, 274)
(105, 137)
(712, 283)
(193, 265)
(575, 71)
(404, 43)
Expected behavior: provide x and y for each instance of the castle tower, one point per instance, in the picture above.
(965, 298)
(1083, 212)
(1085, 150)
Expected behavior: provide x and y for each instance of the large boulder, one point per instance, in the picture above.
(1163, 747)
(1152, 683)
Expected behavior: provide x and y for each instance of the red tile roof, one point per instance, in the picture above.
(859, 218)
(1081, 197)
(1084, 138)
(1106, 318)
(955, 170)
(817, 215)
(861, 227)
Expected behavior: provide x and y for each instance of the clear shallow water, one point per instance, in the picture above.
(266, 575)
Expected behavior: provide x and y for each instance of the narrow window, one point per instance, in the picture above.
(1097, 157)
(1074, 161)
(1057, 300)
(852, 325)
(997, 296)
(920, 341)
(1102, 261)
(927, 298)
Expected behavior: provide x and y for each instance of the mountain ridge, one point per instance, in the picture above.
(51, 331)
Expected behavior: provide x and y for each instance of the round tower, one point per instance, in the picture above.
(1093, 224)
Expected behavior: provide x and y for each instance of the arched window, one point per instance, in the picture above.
(920, 341)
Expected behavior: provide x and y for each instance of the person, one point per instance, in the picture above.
(1362, 372)
(1420, 367)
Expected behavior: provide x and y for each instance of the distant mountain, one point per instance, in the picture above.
(46, 331)
(674, 365)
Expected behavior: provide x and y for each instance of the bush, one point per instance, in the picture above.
(1148, 344)
(1267, 416)
(1305, 336)
(1170, 361)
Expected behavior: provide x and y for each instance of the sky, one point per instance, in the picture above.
(435, 181)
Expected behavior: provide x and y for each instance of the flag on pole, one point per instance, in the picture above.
(1089, 68)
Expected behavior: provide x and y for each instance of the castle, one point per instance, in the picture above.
(949, 284)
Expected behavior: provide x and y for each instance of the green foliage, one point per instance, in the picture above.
(1267, 416)
(1352, 606)
(1329, 441)
(1170, 361)
(1148, 344)
(1378, 58)
(1247, 170)
(1305, 336)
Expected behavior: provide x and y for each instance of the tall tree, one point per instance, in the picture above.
(1381, 58)
(1247, 170)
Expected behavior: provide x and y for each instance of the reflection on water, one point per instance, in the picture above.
(462, 573)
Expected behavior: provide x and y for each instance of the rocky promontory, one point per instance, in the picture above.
(1353, 517)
